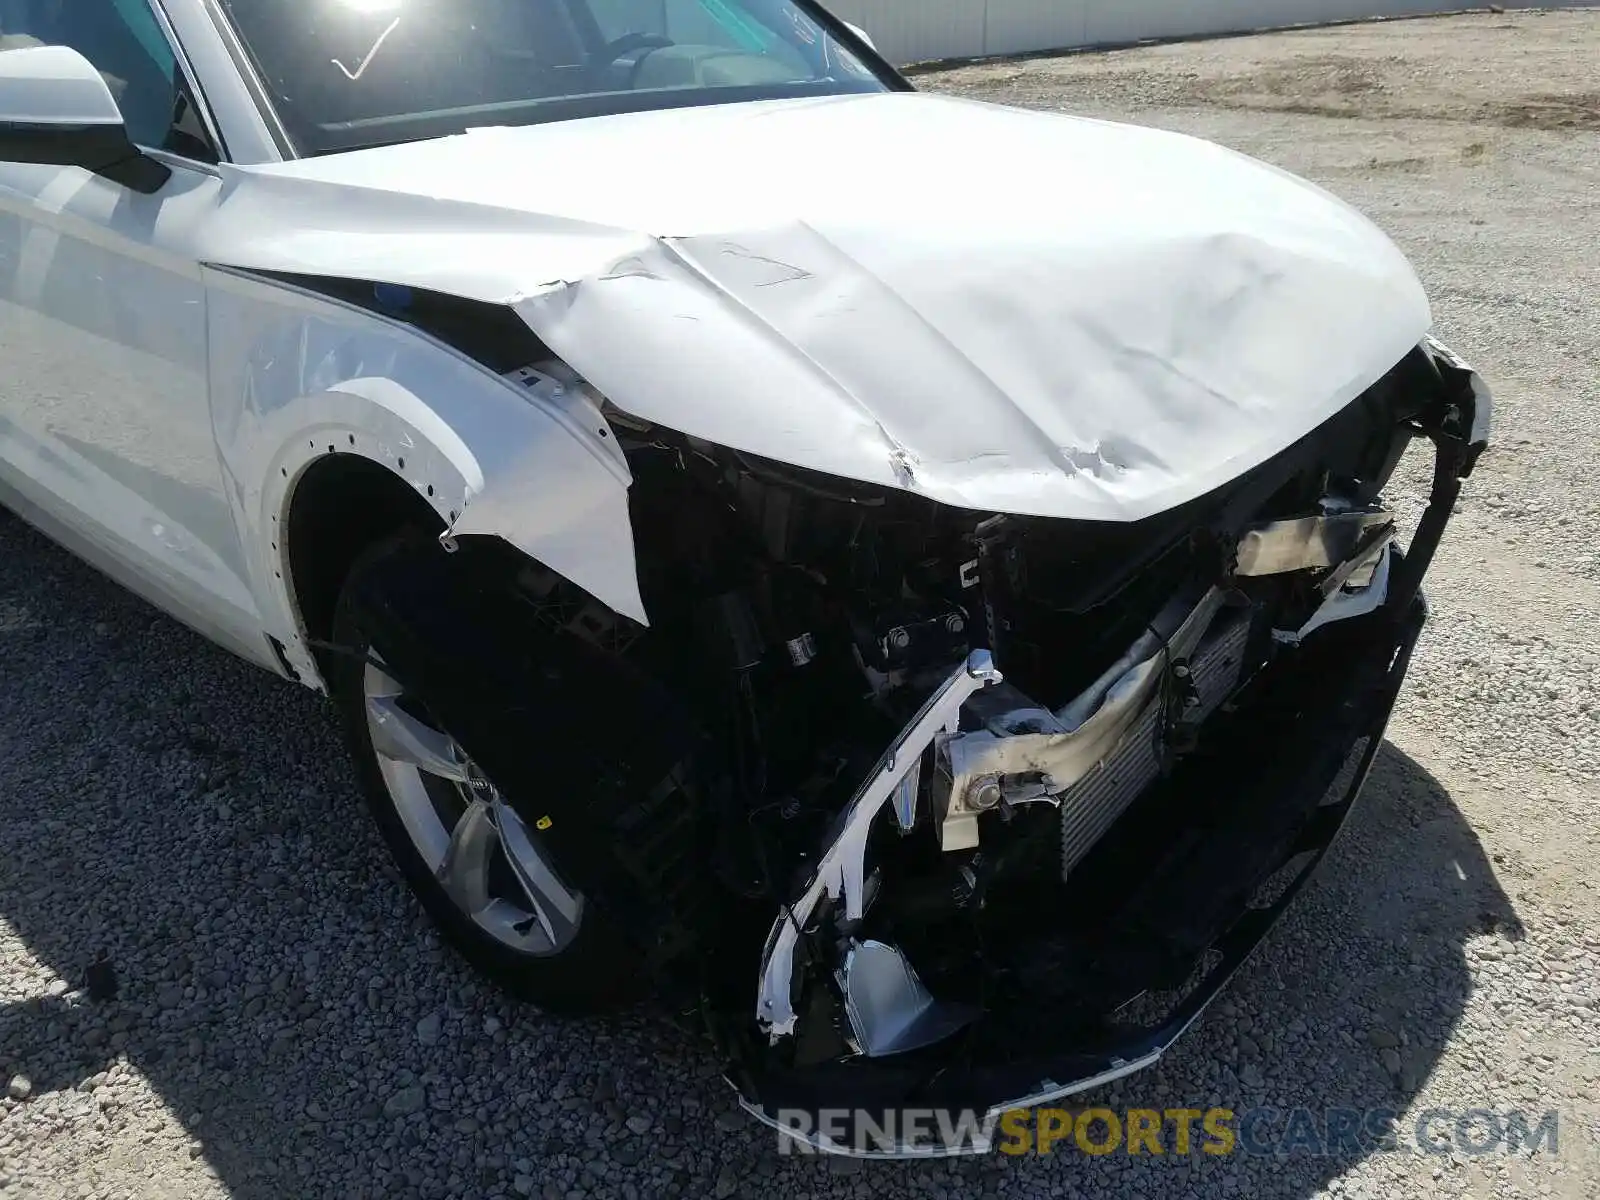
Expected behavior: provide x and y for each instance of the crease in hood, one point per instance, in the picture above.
(1000, 309)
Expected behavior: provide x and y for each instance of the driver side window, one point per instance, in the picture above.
(124, 41)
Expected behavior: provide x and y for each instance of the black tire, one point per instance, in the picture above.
(593, 973)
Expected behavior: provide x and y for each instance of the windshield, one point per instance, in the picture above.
(341, 74)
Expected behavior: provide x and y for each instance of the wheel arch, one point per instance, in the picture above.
(371, 502)
(334, 422)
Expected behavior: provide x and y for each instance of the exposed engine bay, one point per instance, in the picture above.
(911, 799)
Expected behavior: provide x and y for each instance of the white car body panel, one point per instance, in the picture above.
(1129, 320)
(296, 376)
(105, 414)
(122, 352)
(209, 53)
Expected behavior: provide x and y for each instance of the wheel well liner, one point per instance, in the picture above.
(342, 504)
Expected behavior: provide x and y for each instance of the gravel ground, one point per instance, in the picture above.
(287, 1024)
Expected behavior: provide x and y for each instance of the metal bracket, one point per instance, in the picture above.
(1308, 543)
(979, 768)
(841, 872)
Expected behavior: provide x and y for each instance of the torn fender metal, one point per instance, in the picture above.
(296, 377)
(1086, 320)
(1449, 362)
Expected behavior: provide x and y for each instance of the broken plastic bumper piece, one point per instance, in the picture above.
(840, 875)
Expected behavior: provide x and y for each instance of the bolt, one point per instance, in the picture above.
(955, 623)
(984, 793)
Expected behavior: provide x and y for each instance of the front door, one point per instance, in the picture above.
(105, 427)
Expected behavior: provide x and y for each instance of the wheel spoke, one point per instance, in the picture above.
(528, 908)
(556, 908)
(464, 873)
(399, 736)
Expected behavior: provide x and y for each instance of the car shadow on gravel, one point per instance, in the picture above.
(1351, 1001)
(190, 819)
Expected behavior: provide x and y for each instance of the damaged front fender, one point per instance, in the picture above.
(297, 376)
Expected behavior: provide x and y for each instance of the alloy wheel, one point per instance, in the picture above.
(483, 854)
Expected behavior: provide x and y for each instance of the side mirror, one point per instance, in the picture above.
(56, 109)
(862, 34)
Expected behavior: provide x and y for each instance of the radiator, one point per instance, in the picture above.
(1092, 805)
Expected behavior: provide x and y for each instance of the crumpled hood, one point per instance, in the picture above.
(1000, 309)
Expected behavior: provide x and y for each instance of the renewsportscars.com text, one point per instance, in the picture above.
(1175, 1132)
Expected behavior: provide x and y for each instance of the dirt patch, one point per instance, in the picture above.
(1383, 88)
(1402, 71)
(1410, 164)
(1322, 85)
(1332, 74)
(1553, 112)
